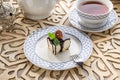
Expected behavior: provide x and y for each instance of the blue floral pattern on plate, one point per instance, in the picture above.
(30, 44)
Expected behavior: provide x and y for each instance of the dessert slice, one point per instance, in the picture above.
(57, 42)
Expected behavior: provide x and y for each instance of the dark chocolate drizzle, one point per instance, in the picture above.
(61, 44)
(51, 42)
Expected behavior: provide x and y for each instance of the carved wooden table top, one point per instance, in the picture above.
(103, 64)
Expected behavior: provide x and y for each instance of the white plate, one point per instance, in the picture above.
(75, 21)
(36, 49)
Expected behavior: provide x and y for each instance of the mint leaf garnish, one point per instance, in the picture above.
(51, 36)
(56, 41)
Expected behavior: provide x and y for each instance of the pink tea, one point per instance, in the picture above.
(93, 7)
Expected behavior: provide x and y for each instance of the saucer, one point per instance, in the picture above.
(75, 21)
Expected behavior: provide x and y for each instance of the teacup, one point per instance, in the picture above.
(37, 9)
(93, 13)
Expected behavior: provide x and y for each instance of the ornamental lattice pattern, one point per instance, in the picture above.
(104, 63)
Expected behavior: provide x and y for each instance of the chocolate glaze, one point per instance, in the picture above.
(61, 44)
(51, 42)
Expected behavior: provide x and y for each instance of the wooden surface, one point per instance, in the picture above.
(103, 64)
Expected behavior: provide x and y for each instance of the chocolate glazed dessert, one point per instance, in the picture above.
(57, 43)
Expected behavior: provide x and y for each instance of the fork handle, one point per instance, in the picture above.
(81, 65)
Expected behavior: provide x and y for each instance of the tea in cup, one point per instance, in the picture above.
(93, 13)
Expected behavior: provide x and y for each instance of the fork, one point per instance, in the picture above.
(77, 59)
